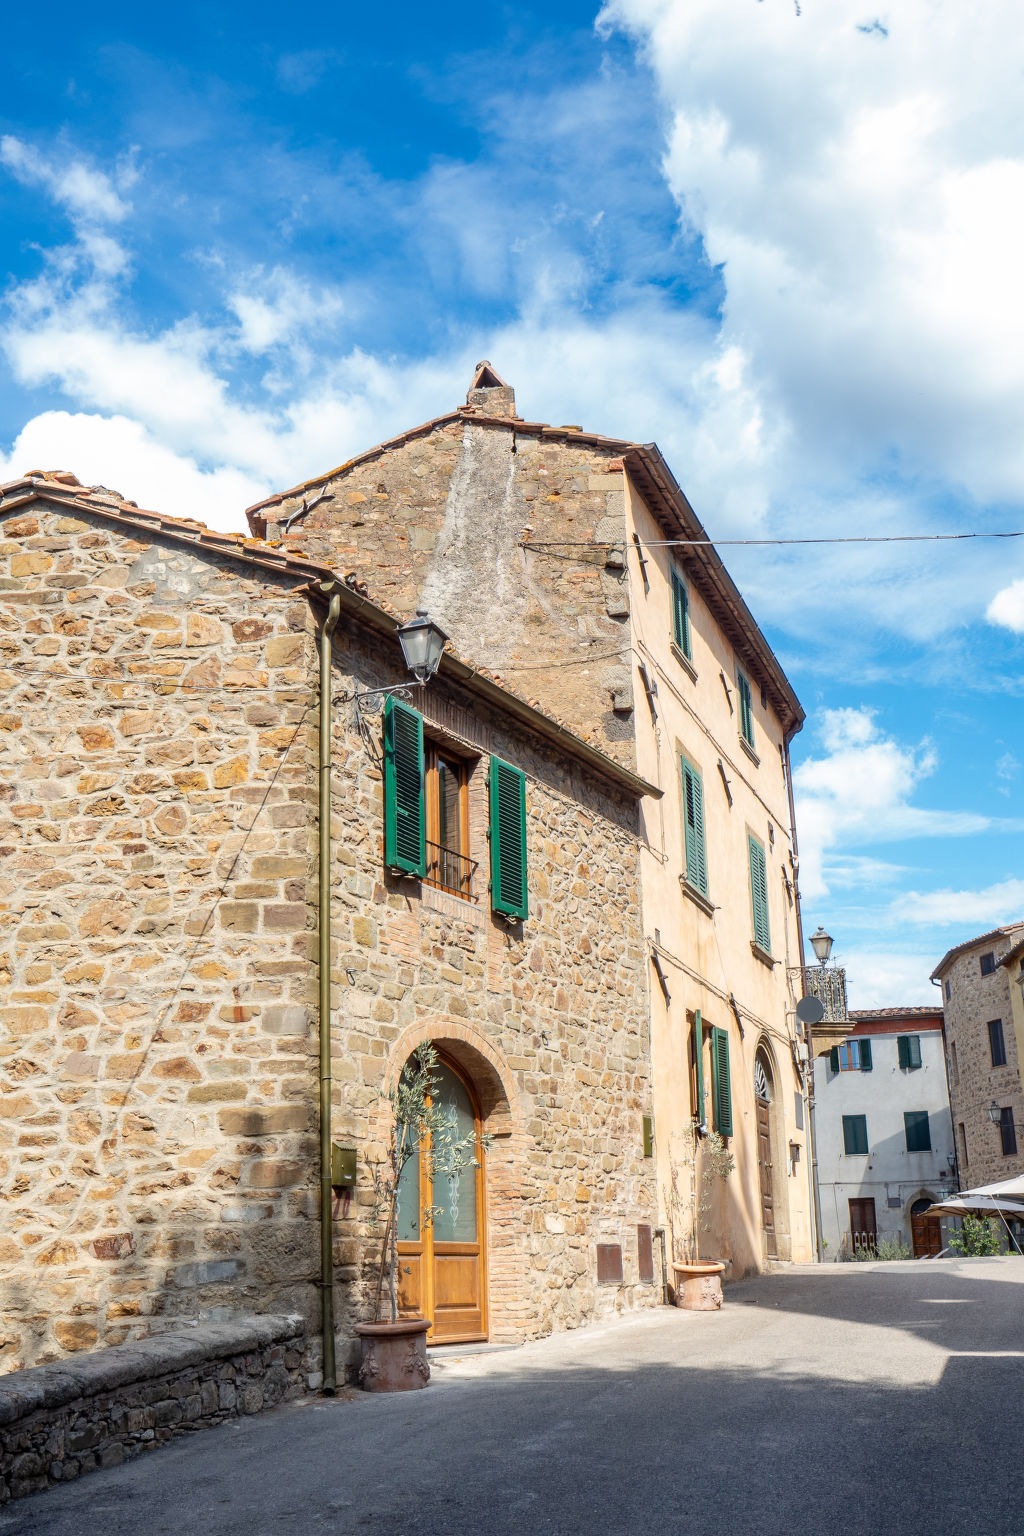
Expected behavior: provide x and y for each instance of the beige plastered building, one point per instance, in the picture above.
(546, 552)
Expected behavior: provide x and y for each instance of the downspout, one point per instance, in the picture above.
(812, 1161)
(324, 966)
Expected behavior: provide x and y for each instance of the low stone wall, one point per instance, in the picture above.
(60, 1421)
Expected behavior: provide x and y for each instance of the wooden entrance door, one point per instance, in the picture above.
(442, 1256)
(764, 1168)
(925, 1230)
(863, 1231)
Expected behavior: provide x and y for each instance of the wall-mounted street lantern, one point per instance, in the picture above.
(995, 1114)
(821, 943)
(422, 643)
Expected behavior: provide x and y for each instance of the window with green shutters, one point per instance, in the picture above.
(908, 1049)
(746, 710)
(693, 827)
(855, 1135)
(721, 1088)
(854, 1056)
(680, 614)
(915, 1126)
(759, 894)
(508, 839)
(405, 820)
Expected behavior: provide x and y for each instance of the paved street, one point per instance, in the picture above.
(853, 1398)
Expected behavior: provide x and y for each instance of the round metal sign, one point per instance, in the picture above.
(810, 1010)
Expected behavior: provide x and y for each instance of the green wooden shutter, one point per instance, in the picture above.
(508, 839)
(680, 614)
(698, 1059)
(746, 709)
(693, 825)
(914, 1050)
(721, 1088)
(865, 1055)
(903, 1050)
(405, 820)
(759, 894)
(833, 1059)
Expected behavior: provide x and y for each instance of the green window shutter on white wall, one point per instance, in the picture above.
(721, 1087)
(746, 709)
(759, 894)
(680, 614)
(693, 826)
(508, 839)
(865, 1055)
(405, 821)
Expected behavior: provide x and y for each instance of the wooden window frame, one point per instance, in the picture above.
(437, 875)
(852, 1125)
(1007, 1131)
(916, 1121)
(996, 1035)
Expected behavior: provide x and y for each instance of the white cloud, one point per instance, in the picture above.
(120, 454)
(1007, 608)
(859, 791)
(879, 979)
(973, 911)
(89, 195)
(864, 194)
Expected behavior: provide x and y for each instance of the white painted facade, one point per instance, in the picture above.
(887, 1173)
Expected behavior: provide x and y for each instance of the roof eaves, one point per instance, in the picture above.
(992, 937)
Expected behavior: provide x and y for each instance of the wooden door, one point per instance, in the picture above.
(862, 1224)
(925, 1230)
(764, 1167)
(441, 1246)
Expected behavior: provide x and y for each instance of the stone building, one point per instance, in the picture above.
(884, 1135)
(983, 1007)
(159, 914)
(573, 565)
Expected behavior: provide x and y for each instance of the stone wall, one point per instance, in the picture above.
(58, 1422)
(973, 1081)
(439, 519)
(549, 1019)
(158, 868)
(157, 845)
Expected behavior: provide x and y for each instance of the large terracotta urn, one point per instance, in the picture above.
(699, 1285)
(394, 1355)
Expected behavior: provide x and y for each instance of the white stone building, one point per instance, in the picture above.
(884, 1132)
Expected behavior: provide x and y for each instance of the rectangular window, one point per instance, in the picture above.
(746, 710)
(988, 964)
(855, 1135)
(449, 867)
(854, 1056)
(947, 991)
(996, 1042)
(954, 1065)
(908, 1050)
(721, 1087)
(963, 1147)
(1007, 1132)
(405, 833)
(693, 827)
(759, 893)
(508, 840)
(917, 1131)
(681, 614)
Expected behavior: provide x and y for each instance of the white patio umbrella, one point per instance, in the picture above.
(972, 1200)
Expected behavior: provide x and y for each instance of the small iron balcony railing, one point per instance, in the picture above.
(450, 871)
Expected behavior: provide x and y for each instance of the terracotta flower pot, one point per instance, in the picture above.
(394, 1355)
(699, 1285)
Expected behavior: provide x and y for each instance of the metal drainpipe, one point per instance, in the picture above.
(324, 936)
(812, 1161)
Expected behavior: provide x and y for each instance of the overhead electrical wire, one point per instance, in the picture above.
(852, 538)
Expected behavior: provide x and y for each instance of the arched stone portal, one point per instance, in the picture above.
(445, 1268)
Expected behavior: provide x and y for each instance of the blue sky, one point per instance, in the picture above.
(241, 243)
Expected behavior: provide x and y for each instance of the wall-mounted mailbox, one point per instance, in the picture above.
(343, 1167)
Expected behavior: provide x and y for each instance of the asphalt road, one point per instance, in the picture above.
(855, 1398)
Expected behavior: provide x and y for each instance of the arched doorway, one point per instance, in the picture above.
(925, 1230)
(443, 1254)
(764, 1091)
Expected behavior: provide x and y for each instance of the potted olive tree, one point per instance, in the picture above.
(419, 1125)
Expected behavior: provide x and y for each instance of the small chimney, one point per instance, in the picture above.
(490, 395)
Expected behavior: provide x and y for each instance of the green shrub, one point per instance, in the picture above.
(977, 1238)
